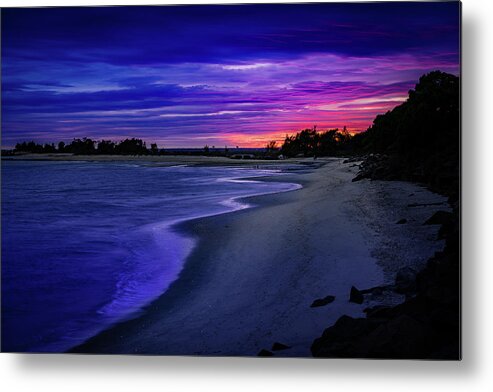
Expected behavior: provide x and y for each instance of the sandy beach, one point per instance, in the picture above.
(254, 273)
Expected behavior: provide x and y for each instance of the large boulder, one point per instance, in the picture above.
(356, 296)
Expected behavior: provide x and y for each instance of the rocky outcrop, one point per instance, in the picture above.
(417, 141)
(390, 167)
(425, 326)
(405, 281)
(440, 218)
(376, 167)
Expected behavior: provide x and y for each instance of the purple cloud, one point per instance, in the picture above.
(187, 76)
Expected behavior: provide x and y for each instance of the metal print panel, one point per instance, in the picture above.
(274, 180)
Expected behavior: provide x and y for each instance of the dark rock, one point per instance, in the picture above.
(356, 296)
(402, 337)
(444, 230)
(401, 221)
(439, 218)
(405, 280)
(353, 159)
(425, 326)
(378, 290)
(373, 309)
(342, 339)
(425, 204)
(379, 311)
(375, 167)
(323, 301)
(279, 346)
(399, 337)
(265, 353)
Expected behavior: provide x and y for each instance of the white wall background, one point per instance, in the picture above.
(474, 373)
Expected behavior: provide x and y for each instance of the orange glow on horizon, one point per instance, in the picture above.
(261, 140)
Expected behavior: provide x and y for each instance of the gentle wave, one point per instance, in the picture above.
(101, 241)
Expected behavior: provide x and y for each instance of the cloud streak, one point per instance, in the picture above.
(186, 76)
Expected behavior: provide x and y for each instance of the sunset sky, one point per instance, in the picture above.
(217, 75)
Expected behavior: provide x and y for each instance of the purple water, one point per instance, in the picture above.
(85, 245)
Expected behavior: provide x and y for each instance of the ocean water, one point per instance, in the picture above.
(85, 245)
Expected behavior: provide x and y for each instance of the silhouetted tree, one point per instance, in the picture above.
(49, 148)
(86, 146)
(271, 146)
(132, 147)
(309, 142)
(30, 147)
(154, 149)
(421, 136)
(106, 147)
(83, 146)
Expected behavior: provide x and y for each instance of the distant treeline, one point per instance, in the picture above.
(88, 146)
(417, 140)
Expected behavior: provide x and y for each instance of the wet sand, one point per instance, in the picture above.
(254, 273)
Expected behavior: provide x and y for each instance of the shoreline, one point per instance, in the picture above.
(164, 160)
(165, 249)
(234, 298)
